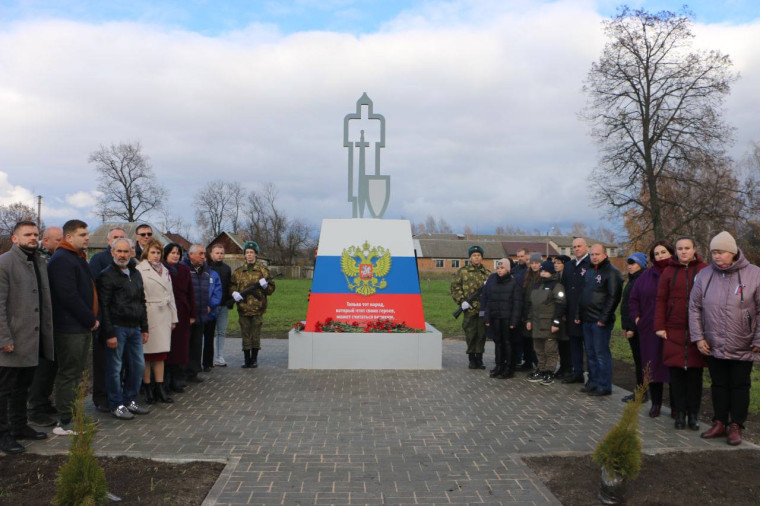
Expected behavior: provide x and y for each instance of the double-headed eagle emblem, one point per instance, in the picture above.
(363, 275)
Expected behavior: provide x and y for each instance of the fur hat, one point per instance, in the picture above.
(724, 242)
(251, 245)
(475, 249)
(639, 258)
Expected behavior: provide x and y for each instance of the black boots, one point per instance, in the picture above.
(254, 358)
(479, 360)
(172, 378)
(680, 420)
(693, 421)
(246, 359)
(496, 371)
(147, 389)
(473, 364)
(160, 393)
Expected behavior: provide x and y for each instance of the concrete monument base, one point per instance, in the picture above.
(342, 350)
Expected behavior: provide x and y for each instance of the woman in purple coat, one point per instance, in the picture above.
(642, 307)
(179, 353)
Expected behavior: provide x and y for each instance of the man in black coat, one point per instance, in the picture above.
(75, 317)
(573, 279)
(602, 290)
(125, 330)
(98, 262)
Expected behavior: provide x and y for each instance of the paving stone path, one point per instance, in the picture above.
(452, 436)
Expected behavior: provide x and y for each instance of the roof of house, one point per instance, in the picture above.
(443, 248)
(560, 240)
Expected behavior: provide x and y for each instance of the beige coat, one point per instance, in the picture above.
(162, 311)
(20, 323)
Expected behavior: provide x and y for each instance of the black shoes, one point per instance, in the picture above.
(195, 379)
(586, 389)
(572, 379)
(9, 445)
(147, 390)
(680, 423)
(599, 393)
(693, 421)
(246, 359)
(535, 377)
(160, 393)
(28, 433)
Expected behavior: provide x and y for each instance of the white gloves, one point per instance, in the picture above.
(466, 305)
(237, 296)
(263, 283)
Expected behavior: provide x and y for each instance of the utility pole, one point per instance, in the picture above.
(39, 211)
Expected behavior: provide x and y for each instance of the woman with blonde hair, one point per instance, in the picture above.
(162, 317)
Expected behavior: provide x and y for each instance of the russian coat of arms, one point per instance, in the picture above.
(365, 267)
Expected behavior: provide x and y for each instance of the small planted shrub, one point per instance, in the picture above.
(81, 480)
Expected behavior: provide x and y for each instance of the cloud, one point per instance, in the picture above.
(11, 194)
(480, 99)
(83, 199)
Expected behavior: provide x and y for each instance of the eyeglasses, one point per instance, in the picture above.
(145, 234)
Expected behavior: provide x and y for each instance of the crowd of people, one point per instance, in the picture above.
(150, 317)
(678, 314)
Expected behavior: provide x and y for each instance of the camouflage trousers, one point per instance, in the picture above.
(250, 329)
(474, 332)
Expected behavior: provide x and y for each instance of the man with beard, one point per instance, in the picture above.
(75, 317)
(125, 330)
(26, 332)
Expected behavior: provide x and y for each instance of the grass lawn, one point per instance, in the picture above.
(289, 303)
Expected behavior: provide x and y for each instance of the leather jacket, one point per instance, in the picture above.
(602, 290)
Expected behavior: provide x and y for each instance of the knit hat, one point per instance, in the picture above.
(724, 242)
(535, 257)
(548, 266)
(639, 258)
(475, 249)
(506, 262)
(562, 258)
(251, 245)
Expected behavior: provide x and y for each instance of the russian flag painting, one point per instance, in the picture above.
(365, 270)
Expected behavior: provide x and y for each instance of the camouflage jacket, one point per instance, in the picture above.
(467, 281)
(246, 276)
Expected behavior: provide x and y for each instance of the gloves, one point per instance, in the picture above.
(263, 283)
(466, 305)
(237, 296)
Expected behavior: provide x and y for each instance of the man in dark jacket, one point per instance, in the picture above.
(26, 332)
(75, 317)
(200, 273)
(98, 262)
(573, 277)
(217, 264)
(602, 290)
(125, 330)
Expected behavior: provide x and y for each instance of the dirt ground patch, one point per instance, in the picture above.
(29, 479)
(705, 478)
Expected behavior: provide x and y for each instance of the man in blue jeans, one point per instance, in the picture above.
(602, 290)
(216, 263)
(125, 329)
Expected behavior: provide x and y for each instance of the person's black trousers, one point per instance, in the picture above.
(14, 390)
(42, 387)
(636, 352)
(208, 343)
(686, 389)
(730, 389)
(196, 349)
(99, 396)
(502, 336)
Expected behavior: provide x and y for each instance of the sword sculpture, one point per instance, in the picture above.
(372, 191)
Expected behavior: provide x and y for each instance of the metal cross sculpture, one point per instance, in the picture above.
(372, 191)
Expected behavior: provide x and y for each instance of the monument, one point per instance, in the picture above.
(365, 275)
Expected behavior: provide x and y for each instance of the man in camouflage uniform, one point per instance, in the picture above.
(250, 286)
(468, 280)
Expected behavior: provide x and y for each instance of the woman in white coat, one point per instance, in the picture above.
(162, 317)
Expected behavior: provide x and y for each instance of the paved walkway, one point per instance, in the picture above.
(453, 436)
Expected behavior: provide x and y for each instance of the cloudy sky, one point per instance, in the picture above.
(481, 99)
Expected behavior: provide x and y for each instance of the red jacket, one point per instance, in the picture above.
(672, 313)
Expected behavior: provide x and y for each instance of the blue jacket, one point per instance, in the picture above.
(72, 290)
(204, 289)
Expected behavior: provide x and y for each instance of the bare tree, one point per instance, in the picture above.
(431, 226)
(9, 216)
(444, 227)
(655, 109)
(217, 205)
(127, 183)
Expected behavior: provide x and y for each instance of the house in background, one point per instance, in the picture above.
(446, 253)
(99, 236)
